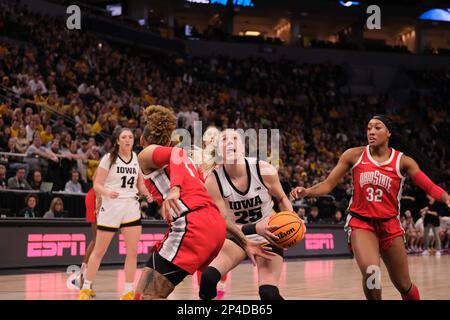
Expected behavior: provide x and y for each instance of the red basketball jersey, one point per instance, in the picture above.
(377, 187)
(90, 206)
(193, 194)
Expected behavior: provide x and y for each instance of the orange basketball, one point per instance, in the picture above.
(291, 229)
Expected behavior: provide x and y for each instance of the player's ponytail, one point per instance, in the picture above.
(160, 123)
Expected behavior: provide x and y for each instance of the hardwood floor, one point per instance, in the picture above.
(300, 279)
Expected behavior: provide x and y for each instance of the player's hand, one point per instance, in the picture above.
(149, 198)
(112, 194)
(254, 249)
(299, 192)
(171, 202)
(263, 229)
(447, 199)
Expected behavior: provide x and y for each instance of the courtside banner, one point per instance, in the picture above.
(33, 243)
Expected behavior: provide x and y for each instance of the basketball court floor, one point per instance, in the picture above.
(300, 279)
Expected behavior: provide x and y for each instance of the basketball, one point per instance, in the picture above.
(291, 229)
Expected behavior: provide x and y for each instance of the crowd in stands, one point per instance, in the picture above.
(62, 93)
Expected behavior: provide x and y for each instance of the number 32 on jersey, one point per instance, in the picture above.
(374, 195)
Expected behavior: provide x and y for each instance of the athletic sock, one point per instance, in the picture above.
(87, 284)
(128, 287)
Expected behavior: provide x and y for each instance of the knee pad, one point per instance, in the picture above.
(153, 285)
(210, 278)
(269, 292)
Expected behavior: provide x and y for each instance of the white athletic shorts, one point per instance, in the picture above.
(118, 213)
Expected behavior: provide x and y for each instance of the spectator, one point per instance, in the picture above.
(314, 216)
(337, 218)
(36, 180)
(18, 182)
(411, 234)
(302, 214)
(38, 155)
(3, 181)
(73, 185)
(22, 142)
(431, 221)
(47, 135)
(31, 130)
(29, 211)
(93, 162)
(15, 162)
(59, 127)
(56, 209)
(183, 118)
(419, 228)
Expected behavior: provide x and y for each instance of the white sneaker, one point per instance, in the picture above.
(77, 281)
(425, 253)
(438, 253)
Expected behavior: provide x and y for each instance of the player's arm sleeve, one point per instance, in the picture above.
(161, 156)
(178, 167)
(427, 185)
(177, 160)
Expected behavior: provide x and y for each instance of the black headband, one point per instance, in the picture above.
(386, 121)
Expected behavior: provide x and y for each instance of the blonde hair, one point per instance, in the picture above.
(209, 153)
(53, 204)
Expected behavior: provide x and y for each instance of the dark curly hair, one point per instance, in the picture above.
(161, 122)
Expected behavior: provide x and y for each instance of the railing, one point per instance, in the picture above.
(12, 201)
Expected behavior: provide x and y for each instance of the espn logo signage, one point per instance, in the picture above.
(56, 245)
(319, 241)
(74, 244)
(146, 242)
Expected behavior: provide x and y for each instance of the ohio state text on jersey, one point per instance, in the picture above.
(377, 187)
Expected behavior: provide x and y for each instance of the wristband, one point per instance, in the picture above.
(249, 228)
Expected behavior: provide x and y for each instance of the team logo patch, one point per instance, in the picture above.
(258, 188)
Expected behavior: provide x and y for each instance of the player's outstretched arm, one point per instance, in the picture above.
(154, 157)
(411, 167)
(346, 161)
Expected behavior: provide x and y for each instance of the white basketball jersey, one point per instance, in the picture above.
(122, 176)
(253, 204)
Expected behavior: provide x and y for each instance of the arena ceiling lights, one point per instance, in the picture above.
(240, 3)
(348, 3)
(436, 15)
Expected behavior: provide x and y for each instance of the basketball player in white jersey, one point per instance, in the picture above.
(246, 187)
(204, 161)
(118, 180)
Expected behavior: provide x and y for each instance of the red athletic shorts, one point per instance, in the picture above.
(90, 206)
(194, 240)
(386, 230)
